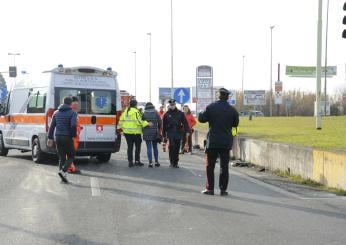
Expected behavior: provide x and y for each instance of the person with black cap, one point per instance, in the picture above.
(131, 123)
(174, 123)
(221, 117)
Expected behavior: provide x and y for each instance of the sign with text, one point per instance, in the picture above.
(277, 98)
(254, 97)
(309, 71)
(204, 86)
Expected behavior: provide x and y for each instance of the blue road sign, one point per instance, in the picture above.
(182, 95)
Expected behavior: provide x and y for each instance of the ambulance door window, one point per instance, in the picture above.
(102, 102)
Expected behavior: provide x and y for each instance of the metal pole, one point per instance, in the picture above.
(172, 85)
(318, 67)
(271, 72)
(135, 53)
(149, 34)
(325, 63)
(242, 78)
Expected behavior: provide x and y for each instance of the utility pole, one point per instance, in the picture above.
(318, 120)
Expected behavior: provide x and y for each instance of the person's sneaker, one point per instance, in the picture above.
(157, 164)
(139, 163)
(207, 192)
(176, 166)
(130, 164)
(223, 193)
(150, 165)
(63, 176)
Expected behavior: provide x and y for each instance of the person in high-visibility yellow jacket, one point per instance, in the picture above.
(131, 123)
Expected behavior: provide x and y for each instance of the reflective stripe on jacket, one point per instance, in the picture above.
(131, 121)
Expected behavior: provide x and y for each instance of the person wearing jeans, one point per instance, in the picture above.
(64, 128)
(151, 134)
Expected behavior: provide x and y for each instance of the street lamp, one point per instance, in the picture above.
(149, 34)
(271, 71)
(172, 48)
(135, 54)
(325, 64)
(318, 121)
(14, 57)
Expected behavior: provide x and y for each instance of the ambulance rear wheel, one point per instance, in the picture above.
(3, 149)
(104, 157)
(36, 152)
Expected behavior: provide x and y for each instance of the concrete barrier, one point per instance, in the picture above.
(325, 167)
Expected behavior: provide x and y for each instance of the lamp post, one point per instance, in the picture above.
(325, 64)
(172, 48)
(271, 71)
(14, 57)
(318, 121)
(149, 34)
(242, 77)
(135, 54)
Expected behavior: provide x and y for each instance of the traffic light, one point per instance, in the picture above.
(13, 71)
(344, 22)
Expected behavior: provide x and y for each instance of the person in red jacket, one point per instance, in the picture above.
(73, 169)
(187, 146)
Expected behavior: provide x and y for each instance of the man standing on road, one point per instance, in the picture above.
(174, 124)
(131, 123)
(221, 117)
(64, 123)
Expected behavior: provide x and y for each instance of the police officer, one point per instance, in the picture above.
(131, 123)
(174, 123)
(221, 117)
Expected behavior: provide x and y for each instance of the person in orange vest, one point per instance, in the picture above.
(73, 169)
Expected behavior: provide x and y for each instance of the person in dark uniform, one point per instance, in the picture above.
(174, 123)
(221, 117)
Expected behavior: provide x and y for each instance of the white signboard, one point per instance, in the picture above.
(322, 108)
(204, 83)
(277, 98)
(254, 97)
(82, 81)
(232, 98)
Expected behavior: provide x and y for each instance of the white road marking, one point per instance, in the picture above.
(95, 187)
(193, 172)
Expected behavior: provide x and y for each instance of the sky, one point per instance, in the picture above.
(105, 33)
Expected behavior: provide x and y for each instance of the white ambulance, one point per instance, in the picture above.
(30, 104)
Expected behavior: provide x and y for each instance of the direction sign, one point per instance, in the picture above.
(182, 95)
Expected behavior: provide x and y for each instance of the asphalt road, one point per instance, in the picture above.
(113, 204)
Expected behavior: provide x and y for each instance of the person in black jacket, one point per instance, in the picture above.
(64, 128)
(174, 123)
(221, 117)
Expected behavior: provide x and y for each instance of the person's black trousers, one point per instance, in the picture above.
(133, 139)
(174, 147)
(66, 151)
(212, 155)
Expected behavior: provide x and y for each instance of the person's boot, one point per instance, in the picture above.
(139, 163)
(157, 164)
(130, 164)
(208, 192)
(150, 165)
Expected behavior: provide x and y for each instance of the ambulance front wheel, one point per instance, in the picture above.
(104, 157)
(3, 149)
